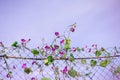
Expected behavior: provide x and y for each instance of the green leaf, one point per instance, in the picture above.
(93, 63)
(67, 44)
(64, 55)
(103, 49)
(78, 49)
(117, 70)
(27, 70)
(10, 72)
(15, 44)
(73, 73)
(35, 52)
(45, 79)
(108, 54)
(46, 61)
(56, 78)
(72, 58)
(104, 63)
(98, 53)
(83, 61)
(50, 59)
(67, 41)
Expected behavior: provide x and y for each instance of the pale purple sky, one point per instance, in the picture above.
(98, 21)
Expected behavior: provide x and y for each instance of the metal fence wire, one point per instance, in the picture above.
(18, 63)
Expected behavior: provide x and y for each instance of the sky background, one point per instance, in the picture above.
(98, 21)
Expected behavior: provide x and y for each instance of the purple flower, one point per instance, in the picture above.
(64, 70)
(8, 75)
(14, 67)
(62, 41)
(24, 65)
(33, 78)
(47, 48)
(57, 33)
(72, 29)
(28, 40)
(23, 40)
(56, 46)
(89, 50)
(1, 44)
(73, 49)
(94, 45)
(61, 52)
(33, 62)
(53, 49)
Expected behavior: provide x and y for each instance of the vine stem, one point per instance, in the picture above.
(17, 57)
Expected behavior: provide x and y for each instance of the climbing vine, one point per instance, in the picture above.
(60, 49)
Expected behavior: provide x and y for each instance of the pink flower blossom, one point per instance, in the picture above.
(8, 75)
(62, 41)
(72, 29)
(28, 40)
(24, 65)
(64, 70)
(23, 40)
(89, 50)
(73, 49)
(47, 48)
(57, 33)
(1, 44)
(61, 52)
(33, 62)
(94, 45)
(53, 49)
(14, 67)
(33, 78)
(56, 46)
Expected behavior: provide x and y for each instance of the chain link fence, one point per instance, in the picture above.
(13, 61)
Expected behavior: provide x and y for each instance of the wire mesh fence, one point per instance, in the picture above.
(20, 64)
(59, 61)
